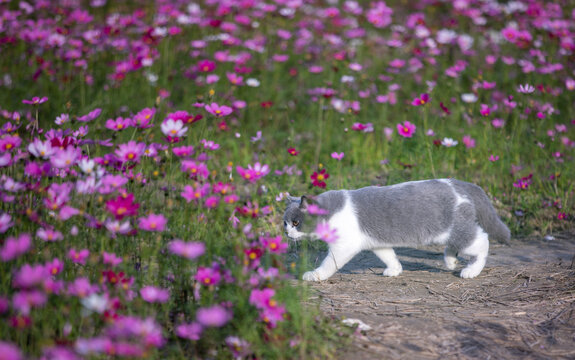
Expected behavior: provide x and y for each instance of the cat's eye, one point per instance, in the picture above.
(295, 223)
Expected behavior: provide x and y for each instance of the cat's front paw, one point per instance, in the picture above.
(392, 271)
(311, 276)
(450, 262)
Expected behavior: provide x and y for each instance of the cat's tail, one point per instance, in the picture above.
(486, 215)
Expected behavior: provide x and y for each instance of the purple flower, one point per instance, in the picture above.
(90, 116)
(5, 223)
(217, 110)
(152, 222)
(192, 331)
(337, 156)
(10, 351)
(325, 233)
(214, 316)
(14, 247)
(153, 294)
(35, 100)
(189, 250)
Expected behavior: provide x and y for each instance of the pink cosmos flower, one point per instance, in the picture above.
(183, 151)
(118, 124)
(78, 257)
(195, 169)
(421, 100)
(196, 192)
(206, 66)
(212, 202)
(497, 123)
(485, 110)
(314, 209)
(208, 276)
(154, 294)
(253, 173)
(153, 222)
(10, 351)
(526, 89)
(30, 275)
(192, 331)
(337, 156)
(143, 119)
(117, 227)
(90, 116)
(406, 129)
(54, 267)
(523, 183)
(188, 250)
(217, 110)
(5, 222)
(214, 316)
(49, 234)
(493, 158)
(130, 151)
(35, 100)
(111, 259)
(274, 244)
(239, 348)
(15, 246)
(9, 143)
(379, 15)
(468, 141)
(325, 233)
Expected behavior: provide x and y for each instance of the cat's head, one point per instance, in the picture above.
(295, 217)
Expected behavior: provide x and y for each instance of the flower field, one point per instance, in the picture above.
(146, 148)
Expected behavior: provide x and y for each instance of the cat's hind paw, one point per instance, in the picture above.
(311, 276)
(392, 271)
(470, 272)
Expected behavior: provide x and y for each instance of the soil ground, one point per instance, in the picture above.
(522, 306)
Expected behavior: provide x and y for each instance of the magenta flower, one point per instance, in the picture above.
(212, 202)
(314, 209)
(274, 244)
(217, 110)
(239, 348)
(78, 257)
(325, 232)
(152, 222)
(318, 178)
(10, 351)
(214, 316)
(131, 151)
(406, 129)
(253, 173)
(485, 110)
(493, 158)
(15, 246)
(196, 192)
(526, 89)
(192, 331)
(188, 250)
(9, 143)
(5, 223)
(208, 276)
(498, 123)
(195, 169)
(468, 141)
(30, 275)
(54, 267)
(337, 156)
(35, 100)
(143, 119)
(523, 183)
(90, 116)
(183, 151)
(118, 124)
(111, 259)
(153, 294)
(421, 100)
(49, 235)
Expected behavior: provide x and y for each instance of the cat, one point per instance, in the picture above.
(440, 211)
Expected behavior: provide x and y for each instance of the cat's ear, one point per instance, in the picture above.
(305, 202)
(293, 199)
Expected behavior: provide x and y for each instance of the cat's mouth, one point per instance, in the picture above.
(295, 235)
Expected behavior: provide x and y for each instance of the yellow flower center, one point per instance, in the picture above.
(121, 211)
(320, 177)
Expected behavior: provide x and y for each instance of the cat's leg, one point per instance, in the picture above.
(450, 258)
(336, 258)
(478, 250)
(393, 266)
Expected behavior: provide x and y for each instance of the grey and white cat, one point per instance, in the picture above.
(444, 211)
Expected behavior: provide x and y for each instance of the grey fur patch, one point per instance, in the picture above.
(405, 214)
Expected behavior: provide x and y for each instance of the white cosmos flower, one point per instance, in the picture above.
(174, 128)
(469, 98)
(448, 142)
(252, 82)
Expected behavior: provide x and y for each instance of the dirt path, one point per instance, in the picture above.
(522, 306)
